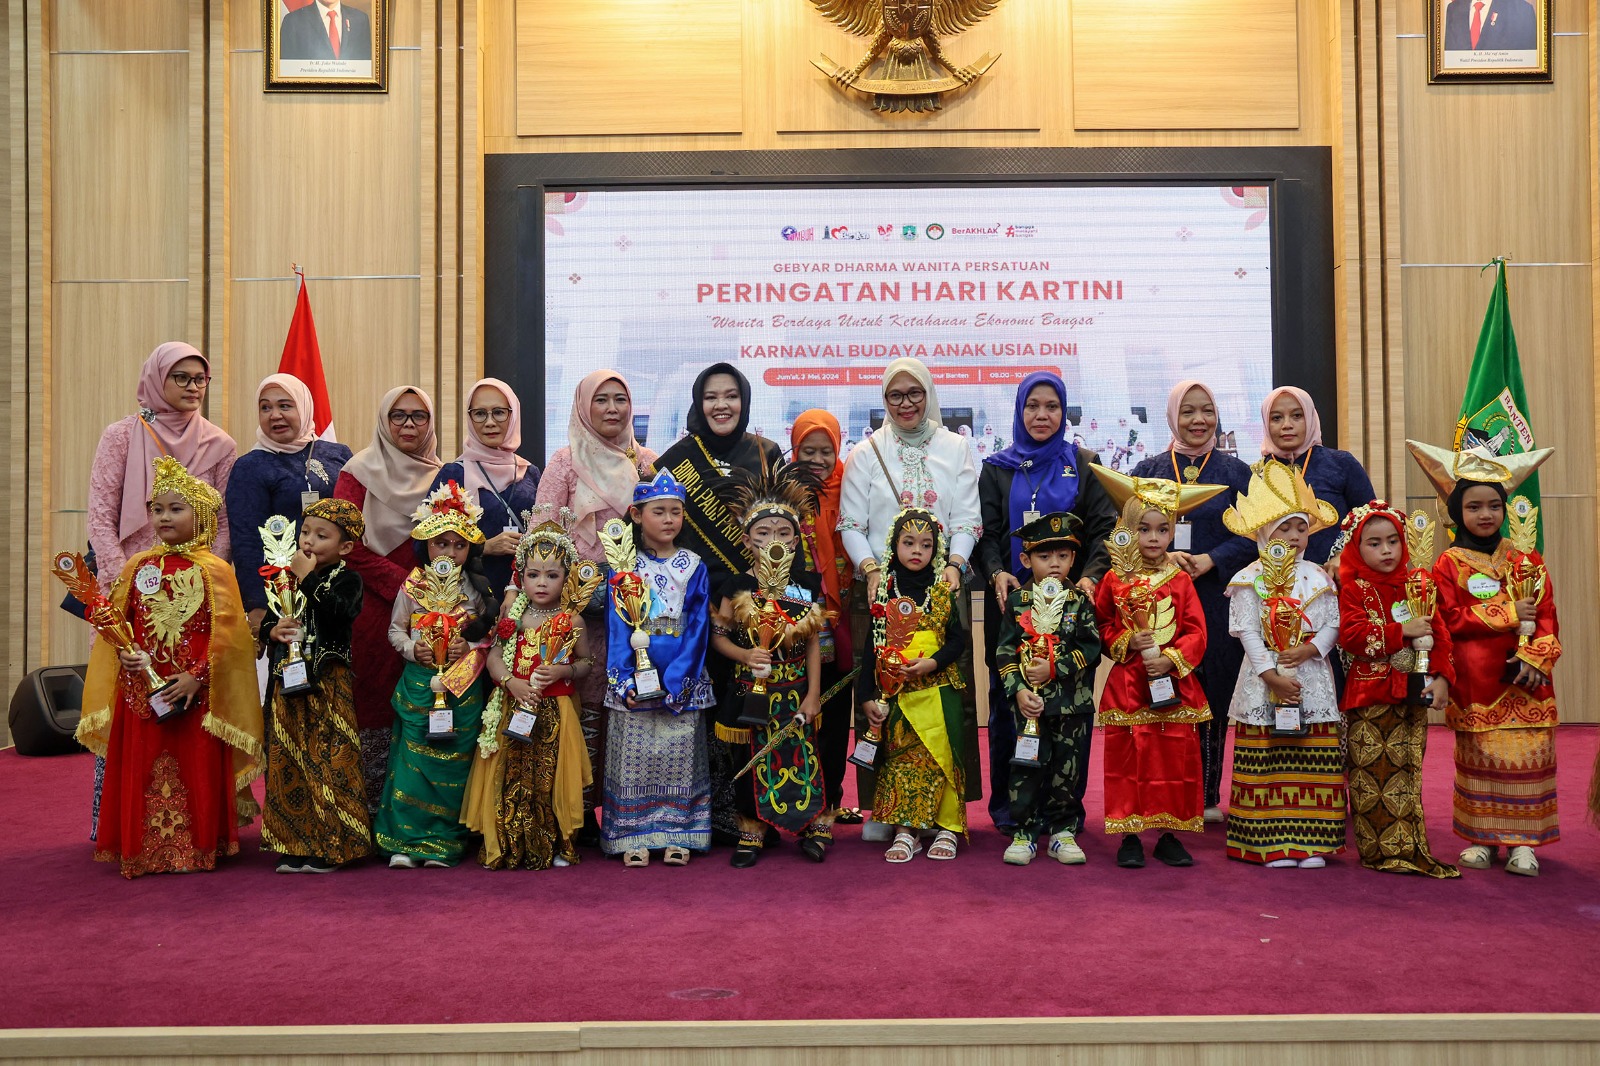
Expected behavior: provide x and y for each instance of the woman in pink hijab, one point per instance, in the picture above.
(503, 482)
(1292, 433)
(594, 475)
(172, 389)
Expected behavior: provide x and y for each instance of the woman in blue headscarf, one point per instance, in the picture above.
(1041, 472)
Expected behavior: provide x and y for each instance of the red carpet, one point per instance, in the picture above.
(853, 938)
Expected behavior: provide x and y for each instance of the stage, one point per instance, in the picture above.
(852, 940)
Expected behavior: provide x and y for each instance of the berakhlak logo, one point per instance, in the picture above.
(908, 232)
(790, 233)
(934, 231)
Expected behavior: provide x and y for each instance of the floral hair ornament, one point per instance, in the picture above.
(172, 476)
(663, 487)
(448, 509)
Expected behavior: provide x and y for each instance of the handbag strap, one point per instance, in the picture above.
(873, 440)
(153, 436)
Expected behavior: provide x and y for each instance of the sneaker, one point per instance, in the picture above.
(290, 864)
(1479, 856)
(1315, 862)
(1020, 852)
(1066, 851)
(1282, 864)
(438, 864)
(318, 866)
(558, 862)
(1171, 852)
(1131, 854)
(401, 861)
(1521, 861)
(1212, 815)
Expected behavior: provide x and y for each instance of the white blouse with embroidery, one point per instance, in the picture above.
(940, 477)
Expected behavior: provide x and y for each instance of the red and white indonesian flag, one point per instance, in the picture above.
(302, 356)
(286, 6)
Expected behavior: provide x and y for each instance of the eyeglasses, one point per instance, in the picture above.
(481, 415)
(183, 381)
(408, 418)
(900, 399)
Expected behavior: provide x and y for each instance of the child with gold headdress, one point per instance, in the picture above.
(767, 622)
(177, 786)
(442, 613)
(1154, 630)
(525, 790)
(1497, 600)
(1287, 803)
(316, 814)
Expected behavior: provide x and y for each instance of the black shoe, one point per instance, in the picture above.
(588, 835)
(814, 848)
(744, 856)
(849, 816)
(1169, 851)
(1131, 854)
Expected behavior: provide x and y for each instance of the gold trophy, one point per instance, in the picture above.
(278, 547)
(1527, 577)
(631, 597)
(901, 618)
(1422, 595)
(1282, 624)
(439, 594)
(109, 623)
(1044, 617)
(1142, 611)
(772, 623)
(556, 639)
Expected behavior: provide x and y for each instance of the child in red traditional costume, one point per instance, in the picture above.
(1154, 629)
(176, 788)
(1399, 667)
(525, 789)
(1498, 602)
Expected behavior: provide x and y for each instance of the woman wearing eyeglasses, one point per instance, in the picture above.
(388, 480)
(171, 391)
(503, 482)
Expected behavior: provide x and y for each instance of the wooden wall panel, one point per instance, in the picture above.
(1200, 65)
(121, 25)
(611, 66)
(121, 186)
(1492, 169)
(1023, 33)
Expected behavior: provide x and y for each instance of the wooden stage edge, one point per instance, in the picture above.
(1364, 1038)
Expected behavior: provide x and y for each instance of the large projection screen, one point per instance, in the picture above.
(1122, 278)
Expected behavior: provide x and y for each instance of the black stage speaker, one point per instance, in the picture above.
(45, 710)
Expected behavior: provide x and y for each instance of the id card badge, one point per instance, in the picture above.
(441, 723)
(308, 498)
(1183, 537)
(521, 725)
(509, 528)
(1029, 516)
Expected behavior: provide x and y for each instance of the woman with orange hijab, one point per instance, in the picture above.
(815, 440)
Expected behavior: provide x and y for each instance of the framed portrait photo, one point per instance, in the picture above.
(326, 45)
(1488, 40)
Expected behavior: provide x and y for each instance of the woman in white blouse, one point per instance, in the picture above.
(911, 461)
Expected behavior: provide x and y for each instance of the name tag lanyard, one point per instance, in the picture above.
(310, 495)
(513, 523)
(1034, 485)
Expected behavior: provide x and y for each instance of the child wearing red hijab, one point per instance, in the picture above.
(1387, 696)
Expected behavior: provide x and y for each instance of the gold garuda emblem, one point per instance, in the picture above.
(912, 70)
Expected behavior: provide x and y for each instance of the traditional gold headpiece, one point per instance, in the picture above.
(172, 476)
(448, 509)
(1277, 490)
(1445, 467)
(547, 537)
(919, 520)
(1153, 493)
(786, 492)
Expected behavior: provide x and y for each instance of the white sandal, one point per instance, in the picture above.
(904, 848)
(1522, 861)
(1478, 857)
(943, 848)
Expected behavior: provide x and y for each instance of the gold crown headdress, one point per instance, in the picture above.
(1277, 490)
(172, 476)
(920, 520)
(1445, 467)
(789, 491)
(1152, 494)
(547, 536)
(448, 508)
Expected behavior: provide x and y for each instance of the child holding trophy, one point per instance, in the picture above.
(1287, 804)
(909, 688)
(525, 789)
(767, 623)
(1154, 629)
(316, 813)
(443, 608)
(1049, 647)
(1400, 666)
(1497, 601)
(658, 614)
(170, 698)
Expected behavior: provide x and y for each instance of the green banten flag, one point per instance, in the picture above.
(1494, 411)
